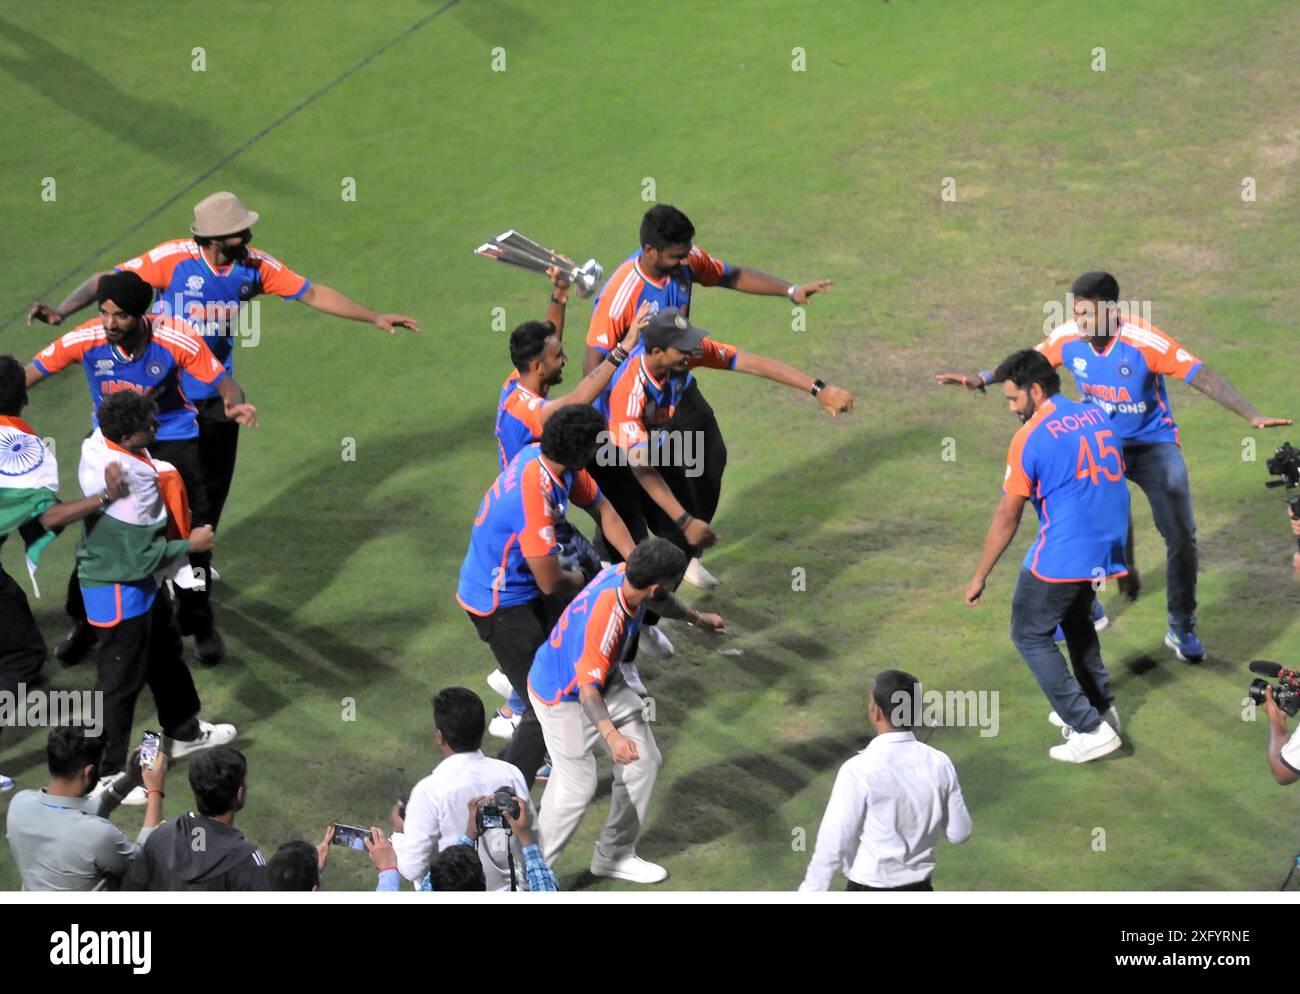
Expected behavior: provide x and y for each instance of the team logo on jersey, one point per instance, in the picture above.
(103, 364)
(1183, 356)
(194, 284)
(1125, 371)
(247, 291)
(1080, 364)
(155, 369)
(547, 535)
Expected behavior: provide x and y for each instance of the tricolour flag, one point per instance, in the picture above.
(29, 480)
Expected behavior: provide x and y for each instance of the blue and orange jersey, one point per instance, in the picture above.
(1068, 460)
(189, 287)
(636, 404)
(588, 640)
(1127, 380)
(617, 303)
(519, 418)
(517, 521)
(172, 350)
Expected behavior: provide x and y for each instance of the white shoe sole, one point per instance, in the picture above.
(1096, 752)
(598, 870)
(697, 576)
(1179, 652)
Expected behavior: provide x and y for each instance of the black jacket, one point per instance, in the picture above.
(193, 852)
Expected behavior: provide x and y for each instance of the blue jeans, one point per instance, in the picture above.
(1037, 607)
(1161, 473)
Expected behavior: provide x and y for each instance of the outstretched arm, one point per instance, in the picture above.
(1213, 385)
(834, 399)
(752, 281)
(329, 300)
(594, 383)
(237, 409)
(73, 302)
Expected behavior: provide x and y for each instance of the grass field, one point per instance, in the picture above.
(338, 575)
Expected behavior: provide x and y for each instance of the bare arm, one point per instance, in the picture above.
(1002, 529)
(834, 399)
(34, 375)
(330, 301)
(1213, 385)
(553, 578)
(84, 294)
(752, 281)
(593, 702)
(237, 407)
(597, 379)
(612, 527)
(1277, 739)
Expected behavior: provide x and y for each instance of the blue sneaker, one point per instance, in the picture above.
(543, 773)
(5, 783)
(1186, 645)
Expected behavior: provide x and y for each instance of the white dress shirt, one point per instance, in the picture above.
(437, 814)
(891, 805)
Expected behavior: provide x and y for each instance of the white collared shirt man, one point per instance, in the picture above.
(438, 811)
(891, 805)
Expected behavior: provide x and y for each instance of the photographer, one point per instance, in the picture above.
(540, 876)
(1283, 752)
(60, 838)
(435, 814)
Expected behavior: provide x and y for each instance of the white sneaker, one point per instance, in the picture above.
(633, 679)
(499, 682)
(210, 735)
(633, 868)
(503, 727)
(1081, 747)
(654, 643)
(1110, 717)
(697, 576)
(135, 796)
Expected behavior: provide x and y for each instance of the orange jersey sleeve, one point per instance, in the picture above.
(626, 412)
(1051, 347)
(716, 355)
(584, 491)
(1017, 480)
(537, 535)
(1163, 355)
(191, 351)
(69, 348)
(707, 270)
(604, 630)
(155, 266)
(616, 308)
(277, 278)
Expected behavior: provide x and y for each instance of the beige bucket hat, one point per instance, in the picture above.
(221, 214)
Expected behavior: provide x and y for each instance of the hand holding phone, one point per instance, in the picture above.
(351, 836)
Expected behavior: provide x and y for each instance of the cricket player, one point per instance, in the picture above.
(127, 349)
(663, 272)
(1067, 460)
(514, 579)
(29, 507)
(1120, 364)
(125, 554)
(580, 698)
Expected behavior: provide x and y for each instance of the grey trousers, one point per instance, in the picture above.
(571, 739)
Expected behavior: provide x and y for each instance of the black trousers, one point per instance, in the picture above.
(218, 447)
(194, 607)
(922, 885)
(22, 648)
(513, 634)
(135, 653)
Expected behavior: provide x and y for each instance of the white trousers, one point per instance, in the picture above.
(571, 740)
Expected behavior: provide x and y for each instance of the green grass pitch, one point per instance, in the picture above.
(339, 575)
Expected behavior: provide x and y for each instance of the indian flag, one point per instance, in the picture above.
(29, 479)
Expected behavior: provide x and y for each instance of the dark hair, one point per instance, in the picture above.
(13, 386)
(294, 867)
(569, 434)
(665, 225)
(1096, 285)
(892, 693)
(458, 714)
(215, 777)
(69, 750)
(125, 413)
(457, 868)
(1027, 367)
(527, 342)
(655, 560)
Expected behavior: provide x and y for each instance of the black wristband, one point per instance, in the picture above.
(683, 519)
(817, 387)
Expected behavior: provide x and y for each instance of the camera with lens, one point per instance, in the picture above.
(1285, 463)
(492, 814)
(1286, 693)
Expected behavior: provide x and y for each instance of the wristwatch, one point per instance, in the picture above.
(817, 387)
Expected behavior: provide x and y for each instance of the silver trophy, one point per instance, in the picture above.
(515, 249)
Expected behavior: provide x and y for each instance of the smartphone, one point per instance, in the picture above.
(351, 836)
(149, 746)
